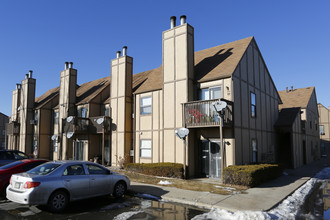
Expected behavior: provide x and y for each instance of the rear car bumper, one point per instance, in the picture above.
(29, 197)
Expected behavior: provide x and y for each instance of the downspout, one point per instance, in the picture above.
(134, 127)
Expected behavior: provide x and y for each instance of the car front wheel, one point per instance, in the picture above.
(119, 189)
(58, 201)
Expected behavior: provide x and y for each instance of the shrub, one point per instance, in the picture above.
(251, 175)
(157, 169)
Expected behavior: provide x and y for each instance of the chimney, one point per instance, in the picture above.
(26, 76)
(118, 54)
(287, 89)
(183, 19)
(124, 50)
(30, 73)
(70, 65)
(173, 22)
(66, 65)
(18, 86)
(292, 88)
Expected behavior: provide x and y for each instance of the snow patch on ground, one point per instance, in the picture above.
(126, 215)
(164, 182)
(288, 209)
(226, 188)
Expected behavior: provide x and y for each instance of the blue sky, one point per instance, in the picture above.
(40, 35)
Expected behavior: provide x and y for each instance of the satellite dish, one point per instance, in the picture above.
(54, 137)
(69, 134)
(100, 121)
(182, 132)
(218, 106)
(69, 119)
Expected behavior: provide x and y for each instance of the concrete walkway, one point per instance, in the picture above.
(261, 198)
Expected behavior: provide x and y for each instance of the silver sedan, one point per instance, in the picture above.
(57, 183)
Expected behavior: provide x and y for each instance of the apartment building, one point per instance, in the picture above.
(324, 119)
(298, 127)
(126, 117)
(3, 121)
(179, 94)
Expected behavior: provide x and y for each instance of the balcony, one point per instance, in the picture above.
(76, 125)
(92, 125)
(199, 114)
(100, 124)
(12, 128)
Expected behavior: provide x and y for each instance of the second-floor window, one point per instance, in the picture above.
(322, 130)
(82, 112)
(253, 105)
(35, 117)
(56, 118)
(145, 105)
(107, 111)
(211, 93)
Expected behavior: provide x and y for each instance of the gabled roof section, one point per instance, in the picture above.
(88, 91)
(296, 97)
(287, 116)
(221, 61)
(210, 64)
(46, 97)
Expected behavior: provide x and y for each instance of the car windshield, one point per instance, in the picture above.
(44, 169)
(10, 165)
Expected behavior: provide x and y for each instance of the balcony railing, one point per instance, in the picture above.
(76, 125)
(91, 125)
(100, 124)
(199, 114)
(12, 128)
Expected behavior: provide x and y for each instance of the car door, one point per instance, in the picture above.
(76, 181)
(100, 180)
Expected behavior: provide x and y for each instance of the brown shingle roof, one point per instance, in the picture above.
(210, 64)
(296, 97)
(46, 97)
(87, 91)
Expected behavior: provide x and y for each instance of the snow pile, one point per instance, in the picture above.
(226, 188)
(126, 215)
(164, 182)
(288, 209)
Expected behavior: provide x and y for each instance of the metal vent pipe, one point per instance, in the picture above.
(173, 22)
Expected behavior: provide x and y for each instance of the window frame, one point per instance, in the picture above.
(142, 107)
(322, 130)
(145, 148)
(253, 105)
(254, 150)
(210, 92)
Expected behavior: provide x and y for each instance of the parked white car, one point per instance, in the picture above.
(57, 183)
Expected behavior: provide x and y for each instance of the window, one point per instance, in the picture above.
(211, 93)
(36, 117)
(107, 111)
(56, 118)
(74, 170)
(253, 105)
(82, 112)
(322, 130)
(96, 170)
(254, 151)
(145, 148)
(145, 105)
(4, 132)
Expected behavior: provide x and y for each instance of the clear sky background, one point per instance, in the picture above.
(40, 35)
